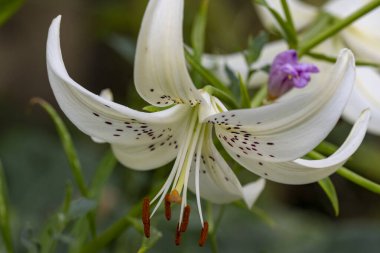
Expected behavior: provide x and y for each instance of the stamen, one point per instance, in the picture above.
(204, 233)
(185, 220)
(145, 217)
(177, 236)
(174, 197)
(168, 210)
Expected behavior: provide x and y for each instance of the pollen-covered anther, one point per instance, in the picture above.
(177, 235)
(174, 197)
(145, 216)
(186, 218)
(168, 210)
(204, 233)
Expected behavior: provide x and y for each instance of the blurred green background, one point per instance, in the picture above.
(295, 219)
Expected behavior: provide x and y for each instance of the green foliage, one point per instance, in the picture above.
(198, 31)
(328, 187)
(8, 8)
(5, 228)
(255, 46)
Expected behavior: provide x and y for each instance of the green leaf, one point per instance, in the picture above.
(110, 234)
(5, 228)
(102, 174)
(328, 187)
(67, 143)
(207, 75)
(8, 8)
(245, 100)
(255, 46)
(55, 225)
(234, 82)
(71, 154)
(198, 31)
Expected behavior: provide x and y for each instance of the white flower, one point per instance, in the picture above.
(362, 37)
(267, 141)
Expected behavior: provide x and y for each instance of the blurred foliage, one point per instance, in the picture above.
(8, 8)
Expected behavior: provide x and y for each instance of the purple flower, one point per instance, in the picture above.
(286, 72)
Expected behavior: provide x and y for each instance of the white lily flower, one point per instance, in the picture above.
(268, 141)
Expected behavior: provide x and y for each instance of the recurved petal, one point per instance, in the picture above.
(161, 75)
(366, 94)
(303, 171)
(295, 123)
(105, 120)
(303, 14)
(218, 183)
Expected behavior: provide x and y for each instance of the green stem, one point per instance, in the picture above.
(289, 19)
(71, 154)
(107, 236)
(350, 175)
(205, 73)
(341, 24)
(225, 97)
(359, 180)
(333, 59)
(259, 97)
(212, 230)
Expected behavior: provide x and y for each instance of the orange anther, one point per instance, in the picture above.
(168, 211)
(185, 219)
(204, 233)
(145, 216)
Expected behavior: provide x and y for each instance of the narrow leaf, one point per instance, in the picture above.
(102, 174)
(198, 31)
(67, 143)
(245, 100)
(255, 46)
(328, 187)
(209, 77)
(5, 228)
(8, 8)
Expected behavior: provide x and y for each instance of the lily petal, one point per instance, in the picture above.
(303, 116)
(303, 14)
(218, 183)
(303, 171)
(366, 94)
(108, 121)
(161, 75)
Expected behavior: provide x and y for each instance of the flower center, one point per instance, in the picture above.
(190, 148)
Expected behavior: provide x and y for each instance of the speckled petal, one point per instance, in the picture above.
(295, 123)
(161, 75)
(303, 171)
(108, 121)
(218, 183)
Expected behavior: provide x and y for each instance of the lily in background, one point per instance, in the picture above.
(268, 141)
(360, 36)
